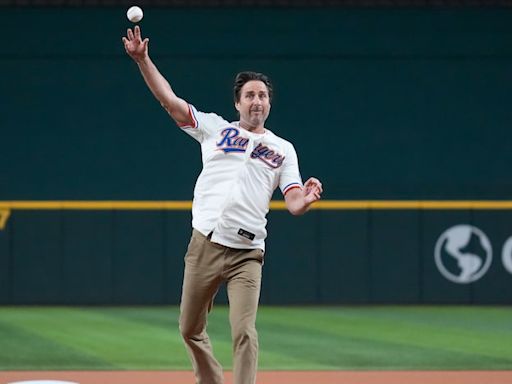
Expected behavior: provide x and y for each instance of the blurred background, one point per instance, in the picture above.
(385, 101)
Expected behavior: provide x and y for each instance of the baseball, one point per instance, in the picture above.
(134, 14)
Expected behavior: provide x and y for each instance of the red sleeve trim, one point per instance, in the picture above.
(192, 120)
(290, 188)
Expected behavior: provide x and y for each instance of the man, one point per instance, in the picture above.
(243, 163)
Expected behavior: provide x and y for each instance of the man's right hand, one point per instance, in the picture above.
(135, 47)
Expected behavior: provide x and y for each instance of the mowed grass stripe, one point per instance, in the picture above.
(21, 350)
(375, 326)
(290, 338)
(121, 343)
(484, 318)
(167, 319)
(365, 353)
(218, 330)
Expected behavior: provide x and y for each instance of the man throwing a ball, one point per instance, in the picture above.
(243, 163)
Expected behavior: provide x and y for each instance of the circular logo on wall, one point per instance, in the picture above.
(463, 254)
(506, 256)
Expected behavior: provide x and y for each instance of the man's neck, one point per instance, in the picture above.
(251, 128)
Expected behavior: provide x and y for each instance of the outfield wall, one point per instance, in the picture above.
(380, 105)
(324, 257)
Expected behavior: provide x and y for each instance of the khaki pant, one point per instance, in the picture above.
(207, 266)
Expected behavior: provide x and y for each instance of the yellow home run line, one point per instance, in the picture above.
(178, 205)
(4, 215)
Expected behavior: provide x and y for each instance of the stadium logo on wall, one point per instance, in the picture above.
(463, 254)
(506, 256)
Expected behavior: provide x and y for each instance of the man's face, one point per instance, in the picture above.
(254, 103)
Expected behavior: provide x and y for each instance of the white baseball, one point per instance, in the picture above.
(134, 14)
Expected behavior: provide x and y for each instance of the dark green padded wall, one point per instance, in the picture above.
(380, 104)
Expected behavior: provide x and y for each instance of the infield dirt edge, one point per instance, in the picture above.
(269, 377)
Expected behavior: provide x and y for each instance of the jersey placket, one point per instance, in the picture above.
(234, 192)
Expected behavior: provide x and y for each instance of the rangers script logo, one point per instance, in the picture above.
(231, 141)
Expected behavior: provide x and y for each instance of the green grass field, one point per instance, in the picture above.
(291, 338)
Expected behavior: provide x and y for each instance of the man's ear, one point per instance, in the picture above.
(237, 106)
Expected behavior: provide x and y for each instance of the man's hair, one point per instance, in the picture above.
(243, 77)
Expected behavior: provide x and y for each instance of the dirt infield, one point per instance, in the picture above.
(269, 377)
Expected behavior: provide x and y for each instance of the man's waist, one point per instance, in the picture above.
(232, 236)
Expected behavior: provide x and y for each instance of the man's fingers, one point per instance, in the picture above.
(314, 184)
(129, 33)
(137, 31)
(146, 42)
(316, 193)
(313, 180)
(318, 190)
(312, 197)
(314, 190)
(125, 44)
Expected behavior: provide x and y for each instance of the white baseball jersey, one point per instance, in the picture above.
(241, 170)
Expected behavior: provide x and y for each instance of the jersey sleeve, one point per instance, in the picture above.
(290, 175)
(202, 124)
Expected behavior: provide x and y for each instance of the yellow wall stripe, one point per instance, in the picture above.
(96, 205)
(276, 204)
(186, 205)
(4, 215)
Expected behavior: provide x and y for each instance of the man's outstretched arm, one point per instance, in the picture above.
(137, 49)
(298, 200)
